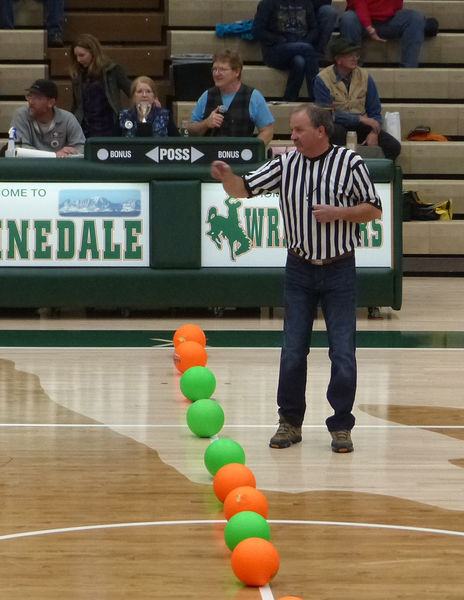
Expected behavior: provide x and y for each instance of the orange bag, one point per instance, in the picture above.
(422, 134)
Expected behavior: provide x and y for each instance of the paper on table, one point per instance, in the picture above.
(33, 153)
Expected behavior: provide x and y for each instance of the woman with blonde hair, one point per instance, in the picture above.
(96, 84)
(146, 117)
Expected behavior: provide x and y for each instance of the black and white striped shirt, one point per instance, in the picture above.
(339, 177)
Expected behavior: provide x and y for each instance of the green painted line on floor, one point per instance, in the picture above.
(228, 339)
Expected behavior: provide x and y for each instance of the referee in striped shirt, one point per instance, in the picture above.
(325, 192)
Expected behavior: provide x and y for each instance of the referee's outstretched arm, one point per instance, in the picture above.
(232, 184)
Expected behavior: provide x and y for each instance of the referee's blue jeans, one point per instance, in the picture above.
(333, 286)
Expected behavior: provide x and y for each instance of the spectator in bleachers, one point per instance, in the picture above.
(294, 36)
(55, 19)
(96, 83)
(231, 108)
(44, 126)
(353, 95)
(382, 20)
(146, 117)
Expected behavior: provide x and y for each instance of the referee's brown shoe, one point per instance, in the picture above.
(286, 435)
(341, 441)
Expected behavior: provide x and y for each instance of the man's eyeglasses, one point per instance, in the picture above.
(220, 69)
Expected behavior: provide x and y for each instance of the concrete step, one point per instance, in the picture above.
(14, 79)
(7, 109)
(421, 160)
(438, 190)
(432, 158)
(433, 237)
(427, 83)
(22, 45)
(140, 27)
(446, 48)
(136, 60)
(447, 119)
(184, 13)
(30, 13)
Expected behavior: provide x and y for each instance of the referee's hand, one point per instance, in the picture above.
(220, 170)
(325, 213)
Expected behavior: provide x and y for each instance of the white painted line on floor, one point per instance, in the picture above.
(238, 426)
(266, 593)
(24, 534)
(162, 347)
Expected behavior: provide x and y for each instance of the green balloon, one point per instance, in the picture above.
(222, 452)
(205, 417)
(244, 525)
(197, 382)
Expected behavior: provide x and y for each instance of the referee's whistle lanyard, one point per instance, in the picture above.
(309, 190)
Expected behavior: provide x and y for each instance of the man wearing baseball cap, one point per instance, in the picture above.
(44, 126)
(352, 93)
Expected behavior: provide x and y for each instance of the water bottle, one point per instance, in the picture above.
(351, 140)
(184, 126)
(12, 137)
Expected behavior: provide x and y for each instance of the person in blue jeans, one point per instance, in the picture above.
(352, 94)
(382, 20)
(325, 193)
(55, 19)
(294, 35)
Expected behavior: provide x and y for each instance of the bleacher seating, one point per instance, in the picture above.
(142, 36)
(430, 95)
(131, 32)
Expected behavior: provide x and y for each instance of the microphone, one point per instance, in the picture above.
(222, 110)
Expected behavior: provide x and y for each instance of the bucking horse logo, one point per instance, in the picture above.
(228, 228)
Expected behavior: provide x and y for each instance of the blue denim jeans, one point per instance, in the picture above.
(406, 24)
(300, 58)
(333, 286)
(55, 15)
(327, 17)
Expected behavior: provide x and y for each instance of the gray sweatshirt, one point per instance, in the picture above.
(63, 131)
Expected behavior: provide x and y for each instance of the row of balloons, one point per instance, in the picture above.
(254, 559)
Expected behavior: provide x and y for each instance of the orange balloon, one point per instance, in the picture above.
(245, 498)
(231, 476)
(255, 561)
(189, 354)
(189, 333)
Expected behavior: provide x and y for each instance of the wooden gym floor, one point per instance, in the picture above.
(103, 490)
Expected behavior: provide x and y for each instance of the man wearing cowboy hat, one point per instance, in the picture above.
(352, 93)
(44, 126)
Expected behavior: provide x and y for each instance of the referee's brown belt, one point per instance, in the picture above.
(320, 261)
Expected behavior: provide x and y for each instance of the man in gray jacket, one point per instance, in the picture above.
(44, 126)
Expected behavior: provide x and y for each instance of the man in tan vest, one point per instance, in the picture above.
(353, 95)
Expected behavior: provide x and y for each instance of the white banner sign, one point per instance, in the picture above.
(248, 232)
(74, 224)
